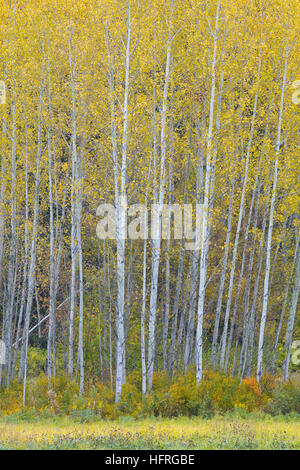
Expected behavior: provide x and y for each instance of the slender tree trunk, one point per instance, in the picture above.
(241, 212)
(31, 271)
(175, 309)
(7, 330)
(156, 242)
(222, 282)
(74, 247)
(270, 230)
(280, 323)
(189, 339)
(291, 318)
(167, 306)
(204, 238)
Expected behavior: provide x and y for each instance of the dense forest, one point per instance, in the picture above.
(141, 104)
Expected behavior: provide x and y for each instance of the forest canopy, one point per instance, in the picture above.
(148, 102)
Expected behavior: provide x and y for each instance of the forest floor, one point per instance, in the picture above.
(153, 434)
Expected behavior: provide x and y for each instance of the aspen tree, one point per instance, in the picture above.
(204, 240)
(156, 242)
(270, 228)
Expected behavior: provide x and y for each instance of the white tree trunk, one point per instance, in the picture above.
(204, 238)
(270, 229)
(156, 242)
(292, 314)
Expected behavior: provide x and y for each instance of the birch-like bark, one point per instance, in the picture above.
(80, 265)
(237, 297)
(252, 317)
(204, 240)
(2, 194)
(31, 271)
(156, 242)
(222, 281)
(59, 232)
(143, 349)
(129, 292)
(280, 323)
(144, 297)
(248, 283)
(74, 247)
(121, 228)
(7, 330)
(270, 229)
(37, 303)
(189, 339)
(100, 300)
(241, 212)
(167, 306)
(52, 254)
(181, 340)
(178, 337)
(292, 315)
(175, 309)
(25, 265)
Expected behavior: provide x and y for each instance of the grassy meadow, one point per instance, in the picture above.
(149, 225)
(227, 432)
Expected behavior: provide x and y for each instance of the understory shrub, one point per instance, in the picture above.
(181, 396)
(285, 400)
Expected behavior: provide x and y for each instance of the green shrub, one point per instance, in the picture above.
(286, 399)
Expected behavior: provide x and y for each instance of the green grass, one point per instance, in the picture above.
(227, 432)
